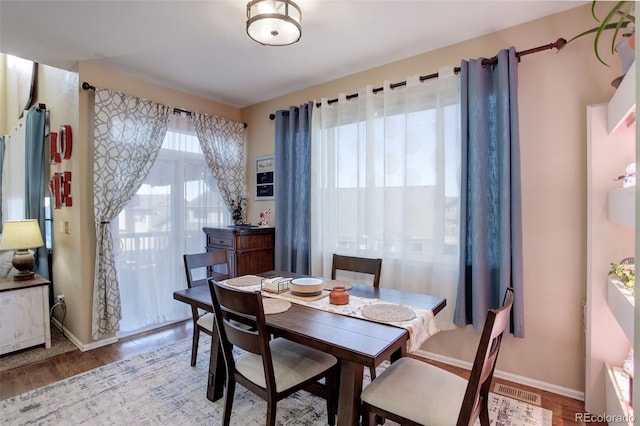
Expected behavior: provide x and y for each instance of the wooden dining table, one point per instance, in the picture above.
(356, 342)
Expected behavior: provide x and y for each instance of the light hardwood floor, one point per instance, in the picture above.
(25, 378)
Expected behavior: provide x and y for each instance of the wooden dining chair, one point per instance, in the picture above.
(273, 369)
(362, 265)
(413, 392)
(357, 264)
(199, 268)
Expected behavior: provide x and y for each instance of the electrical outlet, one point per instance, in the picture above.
(60, 298)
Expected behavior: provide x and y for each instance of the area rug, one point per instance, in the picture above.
(161, 388)
(59, 345)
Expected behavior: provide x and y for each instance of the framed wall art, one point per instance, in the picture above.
(265, 178)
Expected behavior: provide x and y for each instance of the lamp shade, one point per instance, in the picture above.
(274, 22)
(21, 234)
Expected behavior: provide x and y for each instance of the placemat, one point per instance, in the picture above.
(329, 285)
(388, 312)
(244, 281)
(275, 306)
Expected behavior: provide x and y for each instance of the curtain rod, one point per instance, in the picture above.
(87, 86)
(558, 44)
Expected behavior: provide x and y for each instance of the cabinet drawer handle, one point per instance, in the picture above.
(221, 241)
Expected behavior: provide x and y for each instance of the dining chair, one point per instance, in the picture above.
(273, 369)
(413, 392)
(362, 265)
(357, 264)
(199, 268)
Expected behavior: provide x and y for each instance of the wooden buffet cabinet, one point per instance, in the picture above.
(250, 249)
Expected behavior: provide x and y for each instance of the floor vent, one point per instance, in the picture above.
(525, 396)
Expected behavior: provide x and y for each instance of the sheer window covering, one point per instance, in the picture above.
(13, 177)
(385, 179)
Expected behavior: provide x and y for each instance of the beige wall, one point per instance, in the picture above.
(58, 89)
(554, 90)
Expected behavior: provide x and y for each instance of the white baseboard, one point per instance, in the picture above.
(538, 384)
(83, 347)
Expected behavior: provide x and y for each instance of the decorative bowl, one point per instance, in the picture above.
(306, 286)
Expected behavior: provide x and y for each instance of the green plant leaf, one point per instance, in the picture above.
(619, 17)
(603, 27)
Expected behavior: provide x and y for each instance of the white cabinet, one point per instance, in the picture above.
(24, 314)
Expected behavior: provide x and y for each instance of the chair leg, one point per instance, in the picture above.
(332, 396)
(231, 388)
(378, 419)
(194, 345)
(368, 418)
(484, 415)
(271, 413)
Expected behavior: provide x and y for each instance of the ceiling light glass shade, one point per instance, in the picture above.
(274, 22)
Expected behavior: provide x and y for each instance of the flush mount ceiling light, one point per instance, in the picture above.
(274, 22)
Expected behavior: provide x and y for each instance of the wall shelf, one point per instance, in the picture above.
(622, 107)
(617, 390)
(622, 206)
(622, 305)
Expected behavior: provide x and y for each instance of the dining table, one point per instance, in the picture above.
(357, 343)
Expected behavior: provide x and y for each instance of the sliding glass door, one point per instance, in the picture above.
(160, 224)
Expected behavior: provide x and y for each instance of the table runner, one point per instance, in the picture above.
(420, 328)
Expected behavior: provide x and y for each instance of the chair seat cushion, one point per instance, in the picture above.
(206, 321)
(292, 364)
(418, 391)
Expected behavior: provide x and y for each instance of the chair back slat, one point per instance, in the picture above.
(211, 260)
(485, 360)
(357, 264)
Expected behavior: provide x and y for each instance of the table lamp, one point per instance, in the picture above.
(22, 235)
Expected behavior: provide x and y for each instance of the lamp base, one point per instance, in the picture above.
(23, 261)
(24, 276)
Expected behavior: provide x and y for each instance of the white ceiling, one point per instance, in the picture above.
(201, 47)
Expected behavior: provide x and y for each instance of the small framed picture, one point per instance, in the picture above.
(265, 178)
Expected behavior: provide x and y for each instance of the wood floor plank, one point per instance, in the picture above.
(32, 376)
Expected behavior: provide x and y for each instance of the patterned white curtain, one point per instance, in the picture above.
(128, 136)
(223, 143)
